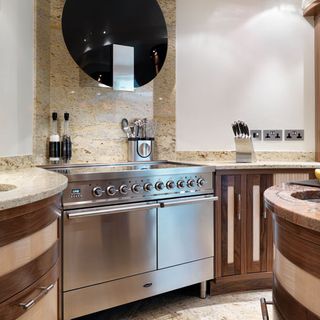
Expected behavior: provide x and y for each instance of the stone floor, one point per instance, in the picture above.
(185, 305)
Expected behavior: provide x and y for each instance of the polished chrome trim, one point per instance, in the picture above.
(84, 213)
(239, 207)
(184, 168)
(44, 290)
(172, 203)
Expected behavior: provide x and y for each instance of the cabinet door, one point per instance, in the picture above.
(259, 224)
(230, 208)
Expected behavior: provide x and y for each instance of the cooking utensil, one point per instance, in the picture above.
(125, 128)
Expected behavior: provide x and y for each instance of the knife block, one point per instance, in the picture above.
(244, 150)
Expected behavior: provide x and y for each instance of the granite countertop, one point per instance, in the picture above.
(232, 165)
(32, 184)
(297, 204)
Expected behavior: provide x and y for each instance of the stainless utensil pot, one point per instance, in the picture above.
(140, 149)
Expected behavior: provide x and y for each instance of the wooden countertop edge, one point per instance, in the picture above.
(295, 210)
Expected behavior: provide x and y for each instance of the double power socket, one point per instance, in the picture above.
(277, 135)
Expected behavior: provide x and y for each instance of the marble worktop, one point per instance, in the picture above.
(28, 185)
(232, 165)
(297, 204)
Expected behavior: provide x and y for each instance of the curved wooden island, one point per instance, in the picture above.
(296, 224)
(30, 208)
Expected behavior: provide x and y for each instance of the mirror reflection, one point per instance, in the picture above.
(91, 28)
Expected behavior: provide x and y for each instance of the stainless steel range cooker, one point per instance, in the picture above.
(134, 230)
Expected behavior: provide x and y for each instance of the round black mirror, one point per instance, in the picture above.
(92, 27)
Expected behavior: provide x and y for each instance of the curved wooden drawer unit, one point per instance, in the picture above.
(29, 261)
(296, 283)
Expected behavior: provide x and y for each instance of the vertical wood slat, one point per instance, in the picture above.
(256, 223)
(317, 84)
(230, 230)
(230, 253)
(218, 229)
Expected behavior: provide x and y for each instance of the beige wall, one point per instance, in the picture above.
(96, 112)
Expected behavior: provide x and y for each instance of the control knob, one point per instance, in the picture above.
(191, 183)
(97, 192)
(124, 189)
(159, 186)
(148, 187)
(181, 184)
(136, 188)
(201, 182)
(170, 185)
(111, 191)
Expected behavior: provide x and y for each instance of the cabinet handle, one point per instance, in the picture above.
(265, 216)
(44, 290)
(239, 207)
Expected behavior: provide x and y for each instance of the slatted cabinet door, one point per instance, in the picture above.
(258, 224)
(231, 224)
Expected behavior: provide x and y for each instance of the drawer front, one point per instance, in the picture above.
(108, 295)
(38, 299)
(46, 308)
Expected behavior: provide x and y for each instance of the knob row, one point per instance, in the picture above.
(148, 187)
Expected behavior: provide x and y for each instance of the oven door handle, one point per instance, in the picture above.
(86, 213)
(188, 201)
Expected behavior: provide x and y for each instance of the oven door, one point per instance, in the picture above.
(108, 243)
(185, 230)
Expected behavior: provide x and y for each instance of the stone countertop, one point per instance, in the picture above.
(297, 204)
(232, 165)
(32, 184)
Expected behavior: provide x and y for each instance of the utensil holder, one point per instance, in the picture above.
(244, 150)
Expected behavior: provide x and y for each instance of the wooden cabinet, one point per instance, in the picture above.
(29, 273)
(231, 251)
(243, 228)
(258, 224)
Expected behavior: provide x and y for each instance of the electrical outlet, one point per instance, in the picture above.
(294, 135)
(256, 135)
(272, 135)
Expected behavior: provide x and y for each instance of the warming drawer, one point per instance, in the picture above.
(115, 293)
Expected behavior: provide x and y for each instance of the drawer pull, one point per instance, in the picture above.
(148, 285)
(31, 303)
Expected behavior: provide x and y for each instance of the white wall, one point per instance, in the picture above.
(243, 60)
(16, 77)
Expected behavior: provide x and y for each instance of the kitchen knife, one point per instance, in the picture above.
(240, 126)
(246, 128)
(234, 128)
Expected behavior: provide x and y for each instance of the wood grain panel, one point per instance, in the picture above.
(21, 222)
(27, 249)
(299, 245)
(288, 307)
(259, 225)
(16, 281)
(235, 266)
(256, 223)
(230, 228)
(217, 229)
(317, 80)
(11, 310)
(46, 308)
(313, 9)
(301, 285)
(280, 178)
(243, 282)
